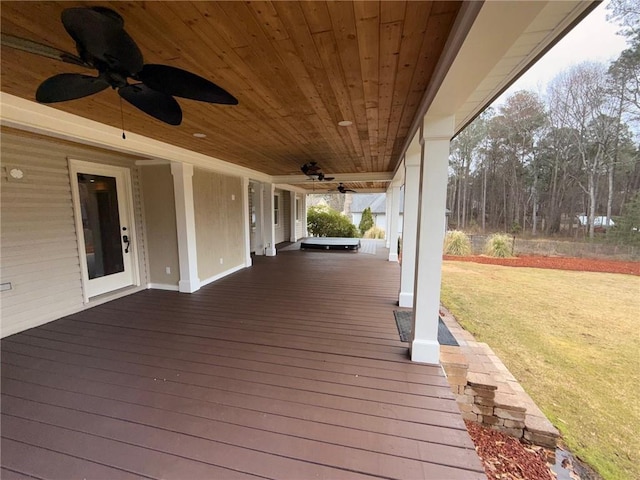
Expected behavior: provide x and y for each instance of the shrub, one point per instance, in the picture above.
(366, 222)
(374, 232)
(457, 242)
(323, 221)
(499, 245)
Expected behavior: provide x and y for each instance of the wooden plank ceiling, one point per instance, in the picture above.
(297, 69)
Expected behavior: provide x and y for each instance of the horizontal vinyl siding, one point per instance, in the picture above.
(219, 221)
(39, 250)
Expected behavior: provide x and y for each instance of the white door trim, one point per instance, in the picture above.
(123, 174)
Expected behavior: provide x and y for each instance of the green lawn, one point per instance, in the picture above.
(572, 339)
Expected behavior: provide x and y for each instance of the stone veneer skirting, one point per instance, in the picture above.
(486, 391)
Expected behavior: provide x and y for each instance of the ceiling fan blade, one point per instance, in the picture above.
(36, 48)
(101, 39)
(328, 179)
(68, 86)
(178, 82)
(157, 104)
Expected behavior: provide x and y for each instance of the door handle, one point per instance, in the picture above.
(125, 238)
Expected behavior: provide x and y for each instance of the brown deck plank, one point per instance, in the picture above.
(240, 378)
(44, 463)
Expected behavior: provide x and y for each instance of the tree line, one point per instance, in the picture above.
(536, 162)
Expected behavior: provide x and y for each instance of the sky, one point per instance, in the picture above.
(593, 39)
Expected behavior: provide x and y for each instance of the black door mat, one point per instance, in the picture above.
(405, 323)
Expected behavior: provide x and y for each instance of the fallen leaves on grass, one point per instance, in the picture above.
(505, 457)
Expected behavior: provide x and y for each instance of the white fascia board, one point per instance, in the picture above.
(33, 117)
(505, 39)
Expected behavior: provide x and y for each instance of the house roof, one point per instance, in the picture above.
(375, 201)
(297, 69)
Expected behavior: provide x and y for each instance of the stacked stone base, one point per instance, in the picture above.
(487, 393)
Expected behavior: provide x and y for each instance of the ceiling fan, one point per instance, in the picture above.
(104, 45)
(342, 189)
(313, 171)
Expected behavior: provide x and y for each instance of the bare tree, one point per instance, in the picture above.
(581, 95)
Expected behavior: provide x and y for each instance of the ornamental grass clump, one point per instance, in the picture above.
(374, 232)
(457, 243)
(499, 245)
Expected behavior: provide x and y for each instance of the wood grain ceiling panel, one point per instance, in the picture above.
(297, 69)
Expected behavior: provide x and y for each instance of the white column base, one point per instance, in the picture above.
(425, 351)
(405, 300)
(270, 252)
(393, 257)
(188, 286)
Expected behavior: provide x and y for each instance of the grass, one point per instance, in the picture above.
(572, 339)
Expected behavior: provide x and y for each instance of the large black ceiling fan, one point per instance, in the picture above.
(103, 44)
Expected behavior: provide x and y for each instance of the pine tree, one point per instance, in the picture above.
(366, 222)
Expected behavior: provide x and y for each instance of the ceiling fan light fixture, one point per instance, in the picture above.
(345, 123)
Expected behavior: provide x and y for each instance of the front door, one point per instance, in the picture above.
(102, 198)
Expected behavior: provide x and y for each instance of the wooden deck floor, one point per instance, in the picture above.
(290, 369)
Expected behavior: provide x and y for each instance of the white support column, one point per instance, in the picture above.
(293, 237)
(394, 216)
(185, 226)
(258, 198)
(247, 222)
(433, 195)
(388, 214)
(305, 232)
(269, 229)
(410, 222)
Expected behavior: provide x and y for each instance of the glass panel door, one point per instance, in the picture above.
(100, 224)
(102, 204)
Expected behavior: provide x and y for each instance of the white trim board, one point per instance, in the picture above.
(209, 280)
(37, 118)
(162, 286)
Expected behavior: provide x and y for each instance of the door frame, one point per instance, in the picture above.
(81, 166)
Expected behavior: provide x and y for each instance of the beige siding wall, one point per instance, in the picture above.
(38, 246)
(160, 218)
(219, 223)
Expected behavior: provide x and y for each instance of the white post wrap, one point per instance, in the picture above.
(293, 237)
(246, 219)
(433, 194)
(185, 226)
(305, 232)
(258, 198)
(394, 217)
(388, 214)
(269, 228)
(410, 222)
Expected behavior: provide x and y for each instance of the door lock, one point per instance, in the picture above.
(125, 238)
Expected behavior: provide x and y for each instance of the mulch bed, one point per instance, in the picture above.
(505, 457)
(558, 263)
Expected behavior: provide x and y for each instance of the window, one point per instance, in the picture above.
(297, 209)
(276, 209)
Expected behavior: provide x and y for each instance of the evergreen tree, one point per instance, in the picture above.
(366, 222)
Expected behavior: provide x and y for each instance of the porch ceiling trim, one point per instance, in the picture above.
(37, 118)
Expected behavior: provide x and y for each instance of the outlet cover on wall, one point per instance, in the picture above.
(168, 270)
